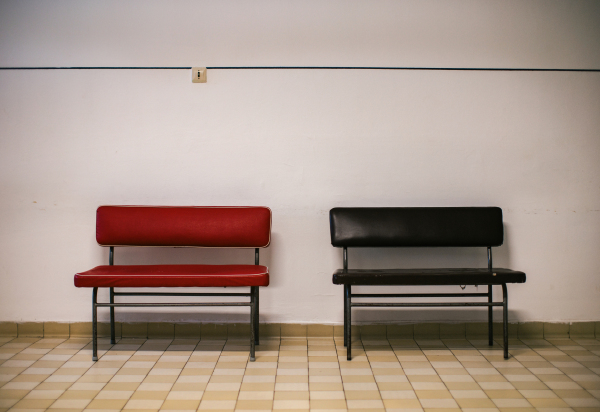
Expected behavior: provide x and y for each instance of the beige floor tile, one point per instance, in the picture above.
(257, 386)
(281, 386)
(220, 395)
(362, 395)
(325, 386)
(230, 386)
(33, 404)
(462, 386)
(325, 404)
(217, 405)
(254, 404)
(468, 394)
(428, 386)
(433, 394)
(62, 404)
(511, 403)
(20, 385)
(503, 394)
(398, 394)
(327, 395)
(179, 405)
(143, 404)
(438, 403)
(147, 386)
(424, 378)
(394, 386)
(530, 386)
(114, 395)
(404, 405)
(583, 402)
(226, 378)
(364, 385)
(496, 385)
(255, 395)
(260, 379)
(291, 379)
(572, 393)
(13, 393)
(548, 403)
(538, 394)
(69, 394)
(149, 395)
(290, 404)
(44, 394)
(185, 395)
(180, 386)
(61, 386)
(117, 404)
(293, 395)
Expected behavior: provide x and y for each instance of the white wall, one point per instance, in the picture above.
(300, 141)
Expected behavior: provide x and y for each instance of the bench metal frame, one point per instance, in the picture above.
(348, 305)
(253, 303)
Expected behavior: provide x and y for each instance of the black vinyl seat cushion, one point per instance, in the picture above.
(416, 277)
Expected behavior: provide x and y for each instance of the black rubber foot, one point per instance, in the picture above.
(252, 358)
(112, 342)
(94, 358)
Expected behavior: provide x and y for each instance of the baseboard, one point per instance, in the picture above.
(525, 330)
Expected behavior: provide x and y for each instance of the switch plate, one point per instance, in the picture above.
(198, 74)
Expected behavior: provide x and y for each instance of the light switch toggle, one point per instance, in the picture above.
(198, 74)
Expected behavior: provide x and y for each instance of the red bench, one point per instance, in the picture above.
(210, 227)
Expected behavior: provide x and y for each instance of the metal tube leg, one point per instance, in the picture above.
(345, 316)
(112, 316)
(348, 320)
(490, 318)
(256, 317)
(252, 322)
(94, 325)
(505, 319)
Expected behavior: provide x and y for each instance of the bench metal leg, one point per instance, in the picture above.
(253, 316)
(505, 319)
(490, 317)
(348, 320)
(94, 325)
(256, 318)
(254, 291)
(345, 315)
(112, 316)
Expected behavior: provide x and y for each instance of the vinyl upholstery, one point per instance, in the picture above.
(416, 226)
(173, 276)
(234, 227)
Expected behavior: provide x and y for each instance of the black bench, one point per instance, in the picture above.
(421, 227)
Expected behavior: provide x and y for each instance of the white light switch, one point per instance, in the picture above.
(198, 74)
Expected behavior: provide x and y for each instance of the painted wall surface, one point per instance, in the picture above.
(300, 142)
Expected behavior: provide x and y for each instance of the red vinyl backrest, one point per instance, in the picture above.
(235, 227)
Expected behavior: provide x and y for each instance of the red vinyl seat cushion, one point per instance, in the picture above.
(137, 276)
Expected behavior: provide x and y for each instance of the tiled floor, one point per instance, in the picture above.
(299, 374)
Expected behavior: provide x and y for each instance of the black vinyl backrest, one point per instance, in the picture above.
(416, 226)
